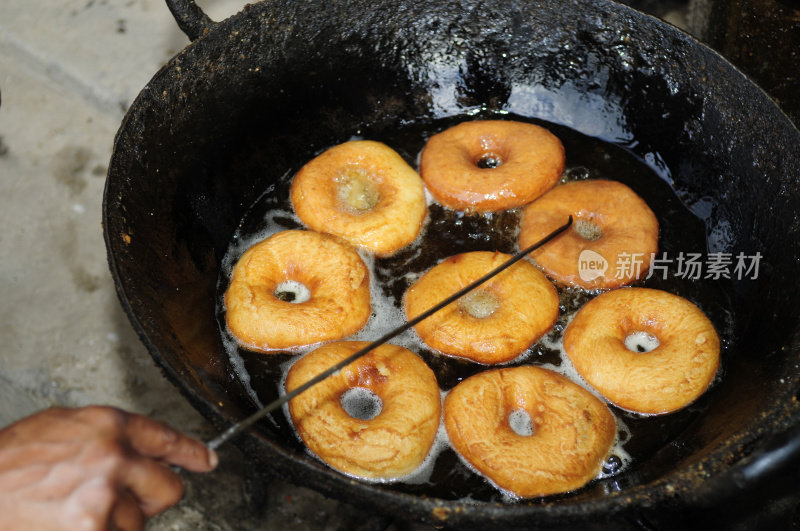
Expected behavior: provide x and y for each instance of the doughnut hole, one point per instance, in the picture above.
(489, 160)
(588, 229)
(520, 423)
(488, 152)
(361, 403)
(356, 191)
(641, 341)
(292, 291)
(479, 303)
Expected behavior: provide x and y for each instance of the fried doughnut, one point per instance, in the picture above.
(492, 324)
(645, 350)
(491, 165)
(611, 240)
(389, 445)
(363, 192)
(529, 430)
(297, 288)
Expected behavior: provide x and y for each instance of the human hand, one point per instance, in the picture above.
(92, 468)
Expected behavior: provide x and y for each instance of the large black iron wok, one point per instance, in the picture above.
(263, 91)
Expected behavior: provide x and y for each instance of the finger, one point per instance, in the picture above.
(151, 438)
(154, 485)
(126, 515)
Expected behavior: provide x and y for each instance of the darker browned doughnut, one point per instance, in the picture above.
(491, 165)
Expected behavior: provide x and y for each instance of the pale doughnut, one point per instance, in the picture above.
(494, 323)
(363, 192)
(572, 431)
(336, 278)
(390, 445)
(669, 377)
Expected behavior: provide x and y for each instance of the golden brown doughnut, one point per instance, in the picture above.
(336, 280)
(491, 165)
(664, 379)
(363, 192)
(571, 430)
(494, 323)
(390, 445)
(612, 224)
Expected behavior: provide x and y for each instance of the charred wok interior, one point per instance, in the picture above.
(265, 90)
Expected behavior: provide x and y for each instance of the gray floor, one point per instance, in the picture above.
(68, 71)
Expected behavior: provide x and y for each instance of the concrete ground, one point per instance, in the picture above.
(68, 71)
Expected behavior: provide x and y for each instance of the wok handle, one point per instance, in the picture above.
(190, 18)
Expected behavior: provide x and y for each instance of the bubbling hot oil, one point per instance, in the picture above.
(361, 403)
(445, 233)
(520, 422)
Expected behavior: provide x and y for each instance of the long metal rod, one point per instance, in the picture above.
(275, 404)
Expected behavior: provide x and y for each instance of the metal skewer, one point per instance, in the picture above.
(275, 404)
